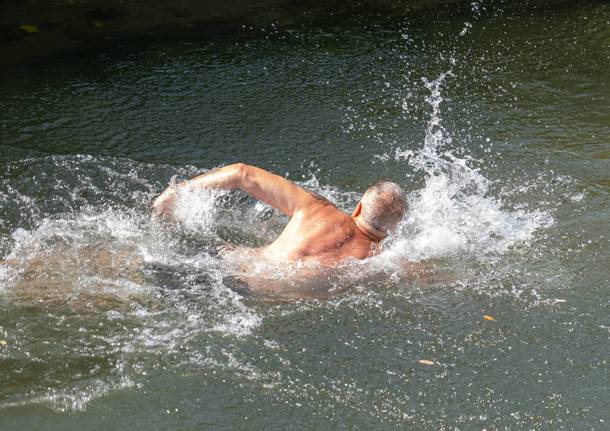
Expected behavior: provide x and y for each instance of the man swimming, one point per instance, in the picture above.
(318, 232)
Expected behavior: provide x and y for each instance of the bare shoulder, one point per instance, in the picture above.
(318, 198)
(320, 208)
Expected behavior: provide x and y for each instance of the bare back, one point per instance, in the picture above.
(320, 233)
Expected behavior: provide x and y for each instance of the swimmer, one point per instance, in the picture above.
(318, 232)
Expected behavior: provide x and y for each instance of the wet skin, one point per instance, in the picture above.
(318, 232)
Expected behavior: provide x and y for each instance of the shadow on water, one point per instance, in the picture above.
(30, 31)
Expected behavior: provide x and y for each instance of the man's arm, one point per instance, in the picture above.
(272, 189)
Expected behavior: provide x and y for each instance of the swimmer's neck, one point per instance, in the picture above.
(368, 231)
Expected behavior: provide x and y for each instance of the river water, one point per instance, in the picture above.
(496, 123)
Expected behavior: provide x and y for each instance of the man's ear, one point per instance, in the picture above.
(358, 210)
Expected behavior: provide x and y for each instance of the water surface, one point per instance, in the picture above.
(496, 124)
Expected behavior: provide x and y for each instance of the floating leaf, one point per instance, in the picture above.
(426, 362)
(488, 317)
(29, 28)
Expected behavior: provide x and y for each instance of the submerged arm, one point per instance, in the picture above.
(425, 273)
(272, 189)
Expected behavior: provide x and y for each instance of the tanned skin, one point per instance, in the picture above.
(317, 232)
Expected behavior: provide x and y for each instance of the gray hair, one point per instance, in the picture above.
(383, 205)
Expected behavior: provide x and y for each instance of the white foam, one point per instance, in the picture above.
(196, 209)
(454, 211)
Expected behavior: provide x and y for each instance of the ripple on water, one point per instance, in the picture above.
(96, 297)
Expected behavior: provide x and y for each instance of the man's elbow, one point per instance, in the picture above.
(241, 172)
(240, 168)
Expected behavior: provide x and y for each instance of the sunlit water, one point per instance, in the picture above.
(496, 124)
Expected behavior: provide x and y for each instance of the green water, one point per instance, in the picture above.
(114, 321)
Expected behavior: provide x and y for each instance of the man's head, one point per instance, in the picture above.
(381, 208)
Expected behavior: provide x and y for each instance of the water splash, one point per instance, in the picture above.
(136, 290)
(454, 211)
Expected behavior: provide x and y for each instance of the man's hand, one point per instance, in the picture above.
(164, 204)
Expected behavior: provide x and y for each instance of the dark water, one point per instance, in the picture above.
(495, 122)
